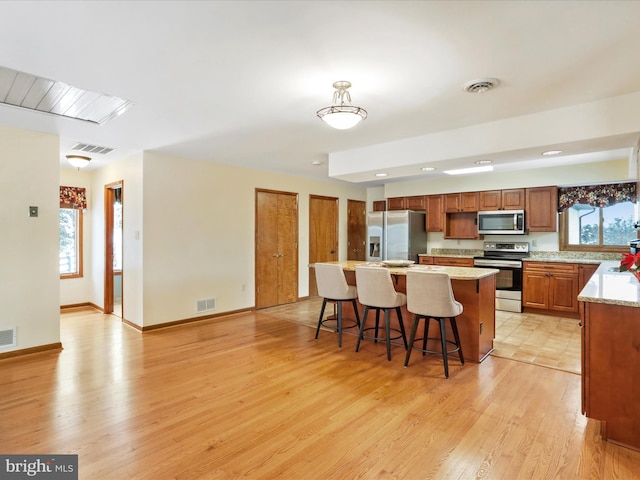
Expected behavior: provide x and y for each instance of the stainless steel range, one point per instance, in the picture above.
(507, 258)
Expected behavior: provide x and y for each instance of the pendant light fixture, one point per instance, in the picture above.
(342, 115)
(78, 161)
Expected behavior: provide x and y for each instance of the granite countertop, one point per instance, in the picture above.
(456, 273)
(534, 256)
(608, 285)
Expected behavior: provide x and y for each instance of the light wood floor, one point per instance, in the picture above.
(253, 396)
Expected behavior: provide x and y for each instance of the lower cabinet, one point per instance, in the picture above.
(550, 286)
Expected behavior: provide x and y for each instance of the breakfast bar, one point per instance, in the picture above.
(474, 288)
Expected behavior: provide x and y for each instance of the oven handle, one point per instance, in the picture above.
(497, 263)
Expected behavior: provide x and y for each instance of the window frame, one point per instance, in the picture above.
(563, 234)
(79, 273)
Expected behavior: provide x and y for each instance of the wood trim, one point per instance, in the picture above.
(30, 350)
(186, 320)
(80, 305)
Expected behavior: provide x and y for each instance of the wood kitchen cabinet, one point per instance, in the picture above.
(585, 271)
(415, 202)
(379, 205)
(550, 286)
(435, 215)
(541, 207)
(453, 261)
(461, 225)
(461, 202)
(512, 199)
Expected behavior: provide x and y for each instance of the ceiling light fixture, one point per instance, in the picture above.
(427, 169)
(483, 162)
(552, 152)
(342, 115)
(78, 161)
(462, 171)
(381, 174)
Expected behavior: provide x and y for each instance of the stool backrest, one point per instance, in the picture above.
(430, 293)
(331, 282)
(375, 287)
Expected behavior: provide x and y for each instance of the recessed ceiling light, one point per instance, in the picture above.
(552, 152)
(461, 171)
(381, 174)
(483, 162)
(316, 162)
(427, 169)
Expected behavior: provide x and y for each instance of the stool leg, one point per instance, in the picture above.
(404, 336)
(324, 304)
(361, 332)
(387, 331)
(454, 328)
(414, 328)
(355, 309)
(443, 340)
(339, 302)
(375, 339)
(427, 320)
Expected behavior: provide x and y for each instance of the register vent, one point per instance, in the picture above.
(205, 305)
(83, 147)
(8, 337)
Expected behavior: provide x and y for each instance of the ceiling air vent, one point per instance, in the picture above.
(83, 147)
(481, 85)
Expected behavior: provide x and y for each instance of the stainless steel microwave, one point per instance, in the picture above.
(501, 222)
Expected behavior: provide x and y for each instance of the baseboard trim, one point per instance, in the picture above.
(185, 321)
(72, 306)
(29, 351)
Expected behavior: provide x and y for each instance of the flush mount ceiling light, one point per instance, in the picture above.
(381, 174)
(427, 169)
(23, 90)
(342, 115)
(483, 162)
(78, 161)
(552, 152)
(462, 171)
(481, 85)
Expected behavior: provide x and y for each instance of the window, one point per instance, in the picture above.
(70, 243)
(598, 218)
(73, 201)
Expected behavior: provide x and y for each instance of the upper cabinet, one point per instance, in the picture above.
(435, 215)
(416, 202)
(461, 202)
(379, 205)
(541, 209)
(513, 199)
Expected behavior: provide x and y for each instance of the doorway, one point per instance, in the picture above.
(323, 234)
(113, 268)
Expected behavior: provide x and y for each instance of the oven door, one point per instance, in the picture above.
(508, 283)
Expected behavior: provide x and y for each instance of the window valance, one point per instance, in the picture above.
(596, 195)
(73, 197)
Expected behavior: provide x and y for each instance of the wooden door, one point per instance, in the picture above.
(323, 234)
(356, 230)
(276, 254)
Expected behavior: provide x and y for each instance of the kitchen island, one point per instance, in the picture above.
(610, 319)
(474, 288)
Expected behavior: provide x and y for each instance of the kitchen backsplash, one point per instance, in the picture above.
(547, 255)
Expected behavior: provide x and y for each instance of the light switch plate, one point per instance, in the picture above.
(33, 211)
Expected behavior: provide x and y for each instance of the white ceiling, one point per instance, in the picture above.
(239, 82)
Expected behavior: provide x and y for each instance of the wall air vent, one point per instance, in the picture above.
(205, 305)
(83, 147)
(23, 90)
(7, 337)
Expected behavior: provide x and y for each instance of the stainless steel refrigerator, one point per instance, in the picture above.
(396, 235)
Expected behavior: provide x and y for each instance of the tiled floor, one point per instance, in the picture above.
(539, 339)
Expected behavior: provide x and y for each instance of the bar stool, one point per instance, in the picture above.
(430, 296)
(376, 290)
(332, 285)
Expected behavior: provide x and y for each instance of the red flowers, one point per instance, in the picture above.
(629, 260)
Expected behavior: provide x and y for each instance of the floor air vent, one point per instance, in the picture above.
(206, 305)
(8, 337)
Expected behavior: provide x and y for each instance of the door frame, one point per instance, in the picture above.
(109, 197)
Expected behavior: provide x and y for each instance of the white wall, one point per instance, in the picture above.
(29, 271)
(79, 290)
(199, 227)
